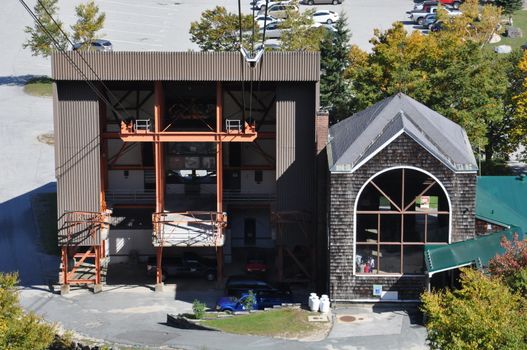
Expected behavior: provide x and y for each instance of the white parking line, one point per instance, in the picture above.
(139, 24)
(129, 32)
(127, 4)
(136, 43)
(121, 13)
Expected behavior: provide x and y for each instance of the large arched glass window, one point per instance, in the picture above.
(398, 212)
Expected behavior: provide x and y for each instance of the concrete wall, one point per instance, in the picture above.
(122, 242)
(264, 238)
(344, 187)
(117, 181)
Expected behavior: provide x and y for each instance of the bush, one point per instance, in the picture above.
(199, 309)
(512, 265)
(248, 302)
(20, 330)
(483, 314)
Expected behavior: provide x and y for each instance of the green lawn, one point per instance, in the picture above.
(45, 212)
(288, 323)
(39, 87)
(519, 20)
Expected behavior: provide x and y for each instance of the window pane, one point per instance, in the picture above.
(390, 259)
(367, 228)
(437, 228)
(413, 259)
(369, 199)
(414, 183)
(390, 183)
(366, 259)
(390, 228)
(414, 228)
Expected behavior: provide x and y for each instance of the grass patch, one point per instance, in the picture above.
(45, 212)
(519, 20)
(41, 86)
(286, 323)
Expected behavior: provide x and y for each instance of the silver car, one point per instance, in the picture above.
(96, 45)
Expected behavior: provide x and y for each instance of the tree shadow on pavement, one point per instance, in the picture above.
(19, 80)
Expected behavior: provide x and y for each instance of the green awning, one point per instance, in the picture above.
(477, 251)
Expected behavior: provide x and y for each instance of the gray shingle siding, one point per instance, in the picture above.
(344, 187)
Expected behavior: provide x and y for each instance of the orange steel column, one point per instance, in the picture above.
(65, 265)
(219, 173)
(159, 170)
(97, 264)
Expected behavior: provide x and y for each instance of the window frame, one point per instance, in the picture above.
(408, 210)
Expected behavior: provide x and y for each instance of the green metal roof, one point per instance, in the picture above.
(476, 251)
(502, 200)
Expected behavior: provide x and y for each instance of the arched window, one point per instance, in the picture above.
(399, 211)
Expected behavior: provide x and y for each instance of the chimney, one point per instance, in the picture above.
(321, 130)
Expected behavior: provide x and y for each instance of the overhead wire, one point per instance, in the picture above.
(242, 63)
(59, 48)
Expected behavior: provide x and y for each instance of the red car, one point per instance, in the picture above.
(255, 265)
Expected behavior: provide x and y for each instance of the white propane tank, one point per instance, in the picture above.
(324, 304)
(311, 297)
(315, 304)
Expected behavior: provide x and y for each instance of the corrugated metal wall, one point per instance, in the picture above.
(77, 152)
(295, 146)
(186, 66)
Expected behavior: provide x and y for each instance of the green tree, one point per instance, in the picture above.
(483, 314)
(334, 59)
(218, 30)
(39, 41)
(446, 72)
(89, 22)
(299, 31)
(20, 330)
(509, 6)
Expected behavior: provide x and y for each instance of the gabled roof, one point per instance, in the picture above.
(356, 139)
(501, 200)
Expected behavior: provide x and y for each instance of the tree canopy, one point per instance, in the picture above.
(39, 41)
(509, 6)
(334, 60)
(89, 22)
(218, 30)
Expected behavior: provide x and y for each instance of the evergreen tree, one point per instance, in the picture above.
(39, 42)
(334, 59)
(509, 6)
(89, 22)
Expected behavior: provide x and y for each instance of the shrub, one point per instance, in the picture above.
(248, 302)
(483, 314)
(199, 309)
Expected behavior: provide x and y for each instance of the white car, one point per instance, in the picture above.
(260, 4)
(325, 16)
(260, 20)
(272, 31)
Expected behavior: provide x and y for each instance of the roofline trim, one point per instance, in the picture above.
(393, 138)
(496, 222)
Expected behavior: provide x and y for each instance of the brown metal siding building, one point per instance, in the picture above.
(90, 139)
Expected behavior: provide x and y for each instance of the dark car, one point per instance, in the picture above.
(262, 300)
(320, 2)
(180, 267)
(437, 26)
(237, 285)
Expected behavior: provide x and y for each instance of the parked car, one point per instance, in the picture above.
(454, 3)
(96, 45)
(418, 16)
(321, 2)
(260, 4)
(437, 26)
(260, 20)
(429, 20)
(272, 31)
(237, 285)
(180, 267)
(256, 264)
(325, 16)
(279, 10)
(262, 301)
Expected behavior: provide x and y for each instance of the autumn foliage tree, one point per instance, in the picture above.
(483, 314)
(89, 22)
(512, 265)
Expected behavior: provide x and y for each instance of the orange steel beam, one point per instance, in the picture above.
(159, 269)
(98, 264)
(65, 265)
(219, 176)
(189, 136)
(159, 169)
